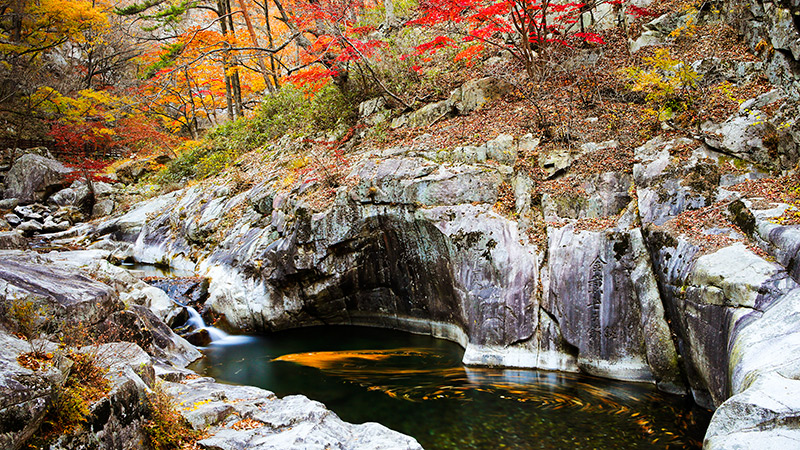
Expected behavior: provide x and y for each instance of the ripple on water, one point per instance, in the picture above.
(417, 385)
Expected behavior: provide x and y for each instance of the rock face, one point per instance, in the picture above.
(616, 289)
(25, 394)
(34, 178)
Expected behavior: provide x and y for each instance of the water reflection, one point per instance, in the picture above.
(416, 384)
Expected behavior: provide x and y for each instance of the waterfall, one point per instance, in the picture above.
(217, 336)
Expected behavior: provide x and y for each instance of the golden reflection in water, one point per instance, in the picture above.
(386, 370)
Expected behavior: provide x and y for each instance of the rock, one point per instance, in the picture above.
(25, 394)
(28, 213)
(131, 171)
(425, 116)
(9, 203)
(12, 219)
(71, 214)
(34, 178)
(374, 111)
(734, 276)
(603, 17)
(12, 240)
(556, 162)
(69, 296)
(592, 268)
(752, 137)
(199, 338)
(502, 149)
(666, 188)
(30, 227)
(414, 243)
(177, 318)
(139, 325)
(647, 39)
(103, 208)
(128, 226)
(473, 94)
(67, 196)
(714, 70)
(294, 422)
(117, 420)
(605, 194)
(51, 226)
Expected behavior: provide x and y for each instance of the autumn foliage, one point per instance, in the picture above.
(534, 25)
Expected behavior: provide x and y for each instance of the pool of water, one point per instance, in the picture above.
(158, 271)
(417, 385)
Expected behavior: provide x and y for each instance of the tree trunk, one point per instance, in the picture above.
(272, 64)
(223, 25)
(254, 38)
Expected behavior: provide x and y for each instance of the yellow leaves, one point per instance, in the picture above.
(668, 83)
(689, 28)
(46, 23)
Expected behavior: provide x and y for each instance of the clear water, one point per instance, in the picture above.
(417, 385)
(150, 270)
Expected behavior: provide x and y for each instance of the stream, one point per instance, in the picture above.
(418, 386)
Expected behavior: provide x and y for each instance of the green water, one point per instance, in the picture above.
(417, 385)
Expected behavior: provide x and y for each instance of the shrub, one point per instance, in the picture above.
(670, 85)
(28, 319)
(166, 429)
(85, 384)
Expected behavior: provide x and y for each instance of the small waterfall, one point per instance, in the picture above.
(217, 336)
(182, 292)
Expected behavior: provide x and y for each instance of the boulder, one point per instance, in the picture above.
(131, 171)
(12, 240)
(425, 116)
(30, 227)
(374, 111)
(30, 212)
(116, 421)
(9, 203)
(139, 325)
(473, 94)
(752, 137)
(51, 226)
(199, 338)
(34, 178)
(291, 423)
(103, 208)
(12, 219)
(69, 296)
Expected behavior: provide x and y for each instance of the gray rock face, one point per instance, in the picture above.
(103, 208)
(473, 94)
(69, 295)
(34, 178)
(752, 137)
(774, 23)
(617, 289)
(24, 394)
(117, 420)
